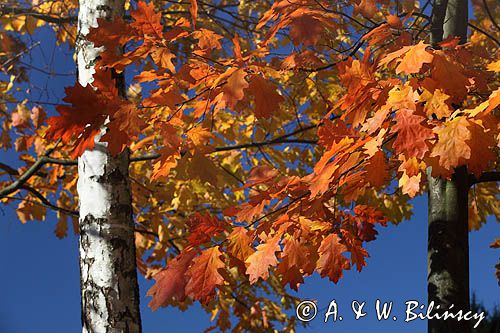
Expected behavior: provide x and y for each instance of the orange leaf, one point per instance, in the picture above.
(125, 127)
(163, 57)
(376, 169)
(258, 263)
(414, 59)
(443, 70)
(358, 253)
(202, 228)
(147, 20)
(204, 275)
(411, 135)
(239, 245)
(207, 39)
(199, 135)
(331, 262)
(494, 101)
(267, 99)
(80, 121)
(451, 146)
(171, 281)
(233, 89)
(482, 143)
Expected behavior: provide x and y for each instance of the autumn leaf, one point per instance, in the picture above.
(239, 245)
(162, 56)
(437, 105)
(20, 118)
(111, 34)
(80, 121)
(494, 101)
(414, 59)
(207, 40)
(30, 211)
(233, 89)
(483, 202)
(171, 281)
(169, 154)
(202, 228)
(410, 59)
(125, 128)
(481, 145)
(37, 116)
(443, 70)
(267, 99)
(259, 262)
(199, 136)
(354, 246)
(365, 219)
(367, 8)
(333, 132)
(204, 275)
(451, 147)
(376, 169)
(410, 184)
(331, 262)
(147, 20)
(412, 136)
(308, 26)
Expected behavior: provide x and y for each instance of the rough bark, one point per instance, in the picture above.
(109, 289)
(448, 250)
(448, 244)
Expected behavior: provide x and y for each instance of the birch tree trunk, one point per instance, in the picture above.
(109, 289)
(448, 243)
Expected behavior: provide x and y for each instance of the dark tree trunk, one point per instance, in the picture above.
(448, 250)
(448, 244)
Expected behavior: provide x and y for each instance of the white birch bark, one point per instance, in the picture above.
(109, 290)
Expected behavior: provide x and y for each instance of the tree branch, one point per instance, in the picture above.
(46, 203)
(484, 33)
(27, 175)
(4, 10)
(492, 176)
(490, 15)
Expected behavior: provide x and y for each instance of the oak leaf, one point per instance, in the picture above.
(147, 20)
(239, 244)
(267, 98)
(331, 260)
(80, 121)
(259, 262)
(233, 89)
(204, 275)
(171, 281)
